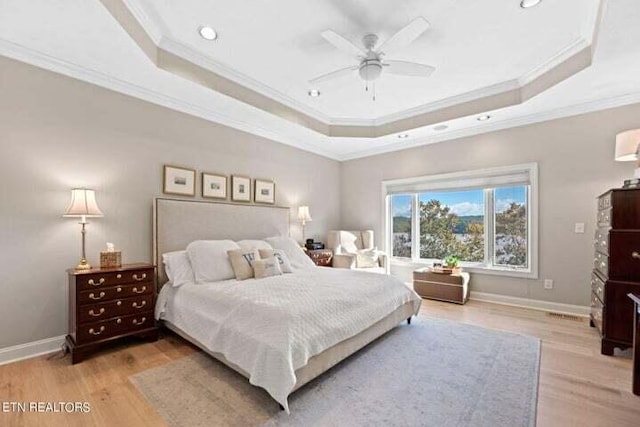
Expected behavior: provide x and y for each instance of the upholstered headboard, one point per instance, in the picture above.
(176, 223)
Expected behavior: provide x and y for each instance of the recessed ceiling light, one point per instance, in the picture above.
(207, 33)
(441, 127)
(403, 136)
(525, 4)
(484, 118)
(314, 93)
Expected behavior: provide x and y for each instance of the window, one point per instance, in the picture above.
(486, 218)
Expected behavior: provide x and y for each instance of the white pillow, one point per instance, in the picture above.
(294, 252)
(266, 267)
(178, 268)
(210, 261)
(348, 242)
(254, 244)
(367, 258)
(280, 255)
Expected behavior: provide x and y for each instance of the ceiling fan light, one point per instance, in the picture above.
(370, 70)
(525, 4)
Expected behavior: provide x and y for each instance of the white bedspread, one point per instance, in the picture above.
(270, 327)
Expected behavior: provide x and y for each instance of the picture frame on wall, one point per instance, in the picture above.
(265, 191)
(240, 188)
(214, 186)
(179, 181)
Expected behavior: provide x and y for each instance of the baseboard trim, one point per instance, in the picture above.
(534, 304)
(30, 349)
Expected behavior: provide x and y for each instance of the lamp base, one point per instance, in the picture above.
(84, 265)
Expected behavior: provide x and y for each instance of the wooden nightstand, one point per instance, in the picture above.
(321, 257)
(108, 304)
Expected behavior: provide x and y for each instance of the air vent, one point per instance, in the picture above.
(565, 316)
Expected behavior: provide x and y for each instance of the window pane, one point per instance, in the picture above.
(452, 223)
(511, 226)
(401, 222)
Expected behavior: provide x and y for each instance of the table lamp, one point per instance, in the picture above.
(303, 216)
(627, 147)
(83, 205)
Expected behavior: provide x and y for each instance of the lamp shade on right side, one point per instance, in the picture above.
(627, 145)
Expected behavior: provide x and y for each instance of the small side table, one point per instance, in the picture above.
(321, 257)
(442, 287)
(636, 343)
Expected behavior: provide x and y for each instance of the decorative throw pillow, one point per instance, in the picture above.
(266, 267)
(210, 261)
(294, 252)
(178, 268)
(241, 260)
(348, 242)
(367, 258)
(280, 255)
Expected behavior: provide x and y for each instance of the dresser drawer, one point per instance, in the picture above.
(118, 307)
(114, 292)
(597, 312)
(601, 240)
(597, 286)
(604, 217)
(624, 255)
(601, 263)
(103, 280)
(604, 201)
(117, 326)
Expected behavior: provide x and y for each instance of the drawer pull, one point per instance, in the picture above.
(119, 276)
(93, 283)
(93, 297)
(136, 291)
(141, 278)
(136, 305)
(98, 314)
(136, 322)
(94, 332)
(635, 255)
(118, 321)
(119, 303)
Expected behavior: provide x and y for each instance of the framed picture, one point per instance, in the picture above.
(214, 186)
(180, 181)
(265, 191)
(240, 188)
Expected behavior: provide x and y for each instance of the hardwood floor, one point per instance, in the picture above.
(578, 386)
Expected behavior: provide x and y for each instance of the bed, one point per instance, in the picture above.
(280, 332)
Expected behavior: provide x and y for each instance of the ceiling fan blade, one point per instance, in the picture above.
(341, 43)
(405, 36)
(333, 75)
(405, 68)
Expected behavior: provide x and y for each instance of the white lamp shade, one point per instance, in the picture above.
(627, 145)
(303, 213)
(83, 203)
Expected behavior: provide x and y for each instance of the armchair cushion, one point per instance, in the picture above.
(367, 258)
(344, 261)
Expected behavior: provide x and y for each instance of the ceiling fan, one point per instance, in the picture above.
(371, 59)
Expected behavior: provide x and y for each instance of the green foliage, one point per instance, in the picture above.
(451, 261)
(438, 238)
(401, 224)
(511, 236)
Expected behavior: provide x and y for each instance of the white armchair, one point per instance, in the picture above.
(355, 250)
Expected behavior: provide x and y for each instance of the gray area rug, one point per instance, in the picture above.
(429, 373)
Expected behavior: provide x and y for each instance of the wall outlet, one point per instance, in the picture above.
(548, 284)
(579, 227)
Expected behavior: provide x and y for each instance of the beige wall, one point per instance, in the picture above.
(575, 158)
(57, 133)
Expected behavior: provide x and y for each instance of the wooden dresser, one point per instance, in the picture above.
(106, 305)
(616, 271)
(321, 257)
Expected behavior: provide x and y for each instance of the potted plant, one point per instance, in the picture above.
(452, 262)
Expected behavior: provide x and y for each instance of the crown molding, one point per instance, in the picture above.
(42, 60)
(559, 113)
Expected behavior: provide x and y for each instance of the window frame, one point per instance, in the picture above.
(447, 181)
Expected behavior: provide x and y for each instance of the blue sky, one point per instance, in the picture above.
(463, 203)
